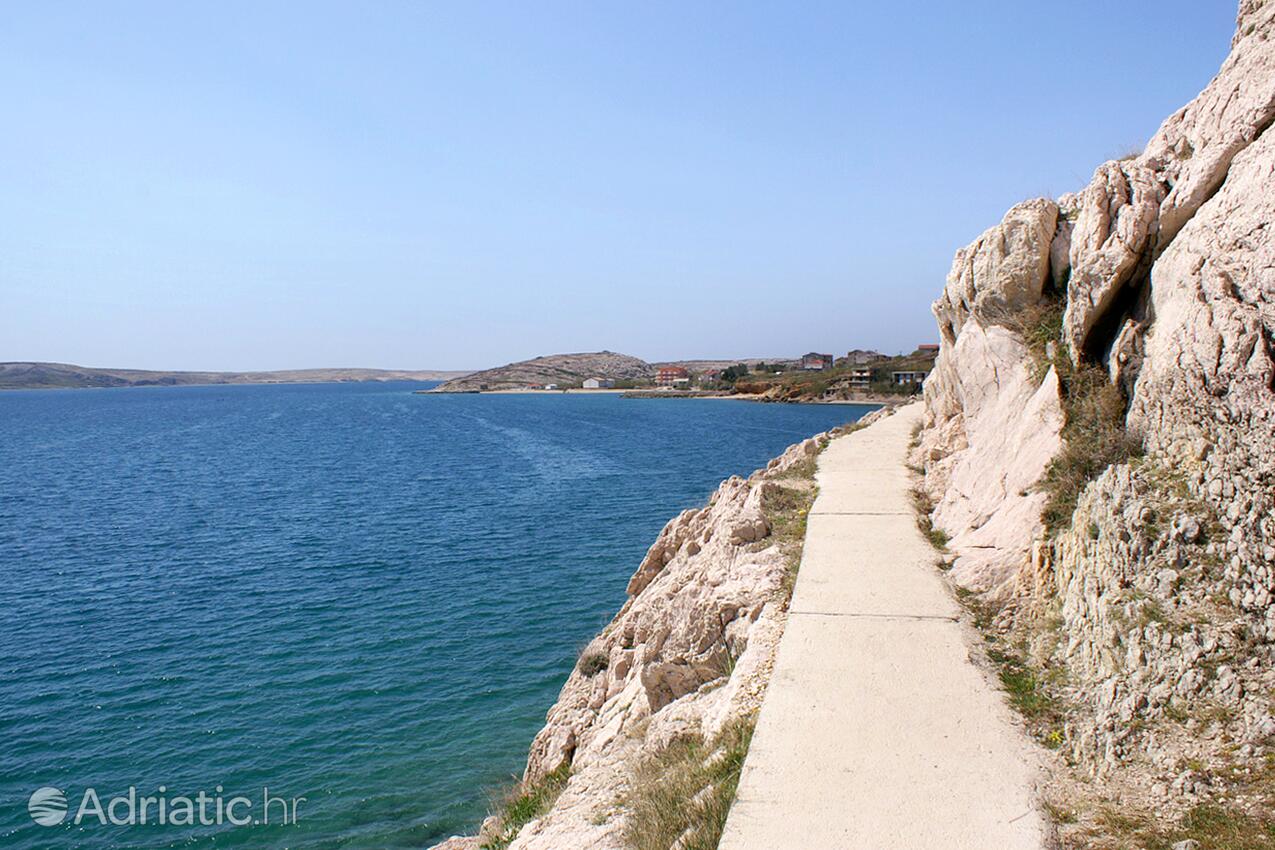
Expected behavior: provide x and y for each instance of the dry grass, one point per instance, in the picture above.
(1094, 438)
(1094, 433)
(593, 662)
(1040, 326)
(924, 521)
(786, 502)
(1222, 823)
(1214, 827)
(680, 796)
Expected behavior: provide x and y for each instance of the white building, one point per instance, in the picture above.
(905, 378)
(598, 384)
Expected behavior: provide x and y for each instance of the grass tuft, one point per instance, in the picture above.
(786, 501)
(1094, 438)
(524, 803)
(924, 519)
(593, 663)
(1022, 687)
(1040, 326)
(1214, 827)
(680, 796)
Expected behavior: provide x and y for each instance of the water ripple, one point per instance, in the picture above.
(344, 592)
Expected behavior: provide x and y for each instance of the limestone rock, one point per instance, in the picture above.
(1117, 219)
(989, 508)
(1162, 591)
(1003, 270)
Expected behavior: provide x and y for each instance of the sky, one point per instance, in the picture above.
(443, 185)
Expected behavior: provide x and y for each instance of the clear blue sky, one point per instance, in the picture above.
(451, 185)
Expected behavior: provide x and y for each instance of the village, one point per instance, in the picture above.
(859, 372)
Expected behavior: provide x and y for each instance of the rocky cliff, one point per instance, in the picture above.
(688, 656)
(1099, 448)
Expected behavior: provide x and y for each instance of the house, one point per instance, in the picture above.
(668, 376)
(928, 350)
(598, 383)
(861, 379)
(900, 379)
(861, 357)
(551, 386)
(710, 376)
(816, 362)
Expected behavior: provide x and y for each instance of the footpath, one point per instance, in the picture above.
(877, 731)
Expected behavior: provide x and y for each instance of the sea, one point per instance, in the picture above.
(317, 616)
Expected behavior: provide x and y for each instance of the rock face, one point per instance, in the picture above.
(1160, 593)
(985, 402)
(691, 650)
(562, 369)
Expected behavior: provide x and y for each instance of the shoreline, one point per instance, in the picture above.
(882, 400)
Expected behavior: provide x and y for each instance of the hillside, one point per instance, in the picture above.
(837, 383)
(566, 370)
(32, 375)
(697, 366)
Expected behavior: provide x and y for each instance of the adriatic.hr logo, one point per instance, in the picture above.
(48, 806)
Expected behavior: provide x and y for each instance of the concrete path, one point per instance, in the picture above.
(877, 732)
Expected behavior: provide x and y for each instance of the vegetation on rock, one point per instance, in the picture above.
(681, 795)
(522, 804)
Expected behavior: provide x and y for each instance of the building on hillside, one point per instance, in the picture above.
(861, 379)
(669, 376)
(862, 357)
(710, 376)
(816, 362)
(928, 350)
(598, 383)
(915, 378)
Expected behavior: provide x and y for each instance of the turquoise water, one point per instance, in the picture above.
(347, 593)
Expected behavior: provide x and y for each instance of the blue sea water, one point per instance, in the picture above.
(345, 592)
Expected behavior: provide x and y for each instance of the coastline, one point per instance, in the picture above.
(881, 400)
(687, 657)
(524, 391)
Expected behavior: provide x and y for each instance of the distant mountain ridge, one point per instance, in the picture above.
(38, 375)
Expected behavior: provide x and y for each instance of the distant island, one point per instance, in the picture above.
(34, 375)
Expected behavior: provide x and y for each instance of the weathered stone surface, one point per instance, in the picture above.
(988, 507)
(1003, 270)
(985, 400)
(1193, 149)
(1161, 594)
(1114, 227)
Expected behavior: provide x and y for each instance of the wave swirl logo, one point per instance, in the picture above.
(47, 806)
